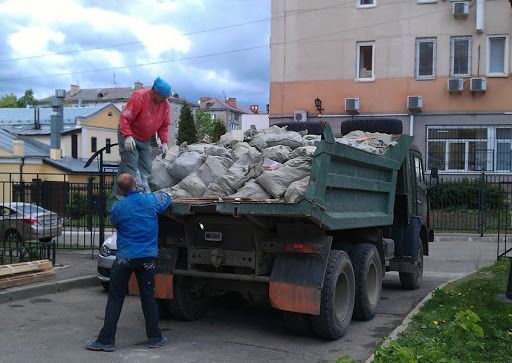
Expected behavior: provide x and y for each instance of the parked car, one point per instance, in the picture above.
(21, 222)
(106, 258)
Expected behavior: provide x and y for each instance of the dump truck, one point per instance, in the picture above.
(321, 260)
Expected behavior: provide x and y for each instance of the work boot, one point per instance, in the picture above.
(95, 345)
(155, 343)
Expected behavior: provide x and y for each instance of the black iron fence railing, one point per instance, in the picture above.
(26, 251)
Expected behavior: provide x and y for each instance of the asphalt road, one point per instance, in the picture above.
(53, 328)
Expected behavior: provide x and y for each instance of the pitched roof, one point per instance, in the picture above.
(96, 95)
(25, 116)
(28, 130)
(76, 166)
(33, 148)
(214, 104)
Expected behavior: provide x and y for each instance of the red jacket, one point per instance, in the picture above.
(141, 117)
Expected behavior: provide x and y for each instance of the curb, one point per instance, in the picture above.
(29, 291)
(408, 319)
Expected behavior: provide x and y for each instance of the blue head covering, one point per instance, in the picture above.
(162, 87)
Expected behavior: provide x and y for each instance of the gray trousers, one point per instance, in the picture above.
(136, 162)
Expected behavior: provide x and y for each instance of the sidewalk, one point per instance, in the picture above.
(73, 269)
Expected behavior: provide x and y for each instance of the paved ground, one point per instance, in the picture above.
(54, 327)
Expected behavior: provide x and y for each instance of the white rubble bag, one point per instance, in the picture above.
(252, 190)
(231, 138)
(278, 153)
(243, 148)
(185, 164)
(372, 142)
(296, 191)
(160, 177)
(277, 181)
(303, 151)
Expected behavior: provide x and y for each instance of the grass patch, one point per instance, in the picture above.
(461, 323)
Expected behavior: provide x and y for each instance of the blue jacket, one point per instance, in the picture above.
(135, 218)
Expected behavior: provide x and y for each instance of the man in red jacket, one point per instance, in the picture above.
(146, 113)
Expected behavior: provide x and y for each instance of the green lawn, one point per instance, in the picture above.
(461, 323)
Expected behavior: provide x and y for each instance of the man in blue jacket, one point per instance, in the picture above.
(135, 218)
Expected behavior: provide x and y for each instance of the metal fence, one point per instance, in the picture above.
(65, 209)
(479, 204)
(26, 251)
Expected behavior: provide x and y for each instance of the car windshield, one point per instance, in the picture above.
(30, 208)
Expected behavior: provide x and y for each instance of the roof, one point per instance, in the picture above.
(182, 101)
(33, 148)
(25, 116)
(76, 166)
(214, 104)
(96, 95)
(28, 130)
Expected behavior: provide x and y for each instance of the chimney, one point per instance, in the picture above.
(73, 90)
(204, 99)
(57, 121)
(254, 108)
(18, 148)
(231, 101)
(37, 122)
(137, 85)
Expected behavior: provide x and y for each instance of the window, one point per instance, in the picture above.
(418, 167)
(366, 3)
(74, 146)
(426, 58)
(460, 57)
(94, 145)
(426, 1)
(497, 56)
(107, 144)
(365, 61)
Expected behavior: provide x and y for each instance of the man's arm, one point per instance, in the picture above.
(163, 131)
(162, 201)
(129, 114)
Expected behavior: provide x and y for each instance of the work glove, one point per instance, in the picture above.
(164, 150)
(129, 143)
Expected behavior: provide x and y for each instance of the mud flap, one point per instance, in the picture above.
(163, 286)
(297, 279)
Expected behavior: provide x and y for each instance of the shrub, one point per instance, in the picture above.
(77, 206)
(218, 130)
(466, 195)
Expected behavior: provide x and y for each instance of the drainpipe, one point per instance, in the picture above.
(480, 16)
(411, 124)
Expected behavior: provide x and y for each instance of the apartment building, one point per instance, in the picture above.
(442, 67)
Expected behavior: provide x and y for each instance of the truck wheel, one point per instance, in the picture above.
(412, 280)
(368, 275)
(186, 305)
(297, 323)
(384, 125)
(337, 297)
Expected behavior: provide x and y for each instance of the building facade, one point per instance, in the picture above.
(442, 67)
(176, 104)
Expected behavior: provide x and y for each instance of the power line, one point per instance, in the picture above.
(116, 45)
(311, 38)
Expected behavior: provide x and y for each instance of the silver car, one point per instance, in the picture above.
(21, 222)
(106, 258)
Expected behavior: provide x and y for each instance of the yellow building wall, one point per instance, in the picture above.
(106, 119)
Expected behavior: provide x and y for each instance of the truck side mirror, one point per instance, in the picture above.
(434, 177)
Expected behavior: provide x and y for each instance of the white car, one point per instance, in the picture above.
(106, 258)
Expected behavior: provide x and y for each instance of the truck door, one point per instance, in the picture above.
(420, 189)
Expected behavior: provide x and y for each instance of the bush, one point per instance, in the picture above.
(187, 131)
(218, 130)
(77, 206)
(466, 195)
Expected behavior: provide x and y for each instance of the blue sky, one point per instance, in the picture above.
(178, 35)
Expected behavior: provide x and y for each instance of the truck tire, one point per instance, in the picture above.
(185, 305)
(368, 275)
(337, 297)
(299, 324)
(412, 280)
(384, 125)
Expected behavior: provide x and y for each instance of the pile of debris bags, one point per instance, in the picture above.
(269, 164)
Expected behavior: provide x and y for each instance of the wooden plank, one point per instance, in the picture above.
(24, 279)
(23, 267)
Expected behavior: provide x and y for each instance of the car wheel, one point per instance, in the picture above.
(12, 236)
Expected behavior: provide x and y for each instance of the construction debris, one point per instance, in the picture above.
(23, 273)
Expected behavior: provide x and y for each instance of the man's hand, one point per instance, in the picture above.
(129, 143)
(164, 150)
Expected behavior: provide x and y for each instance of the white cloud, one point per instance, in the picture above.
(33, 40)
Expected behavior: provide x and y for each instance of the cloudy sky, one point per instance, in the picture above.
(87, 42)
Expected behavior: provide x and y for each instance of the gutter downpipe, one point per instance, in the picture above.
(411, 124)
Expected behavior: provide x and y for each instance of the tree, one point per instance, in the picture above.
(187, 128)
(9, 100)
(204, 124)
(27, 99)
(218, 130)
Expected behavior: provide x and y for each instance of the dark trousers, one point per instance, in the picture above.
(144, 269)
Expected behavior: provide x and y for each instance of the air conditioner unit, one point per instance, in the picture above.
(456, 85)
(478, 84)
(460, 9)
(300, 115)
(352, 105)
(415, 103)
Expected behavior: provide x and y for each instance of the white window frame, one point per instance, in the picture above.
(426, 1)
(434, 58)
(452, 55)
(488, 56)
(358, 52)
(365, 6)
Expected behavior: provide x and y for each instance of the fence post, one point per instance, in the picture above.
(481, 206)
(90, 197)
